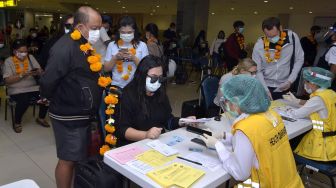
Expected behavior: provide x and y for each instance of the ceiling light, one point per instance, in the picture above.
(255, 12)
(123, 7)
(310, 12)
(265, 1)
(118, 1)
(97, 8)
(232, 8)
(61, 17)
(212, 13)
(157, 6)
(291, 8)
(151, 14)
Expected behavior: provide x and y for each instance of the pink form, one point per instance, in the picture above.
(124, 155)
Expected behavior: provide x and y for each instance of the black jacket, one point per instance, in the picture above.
(69, 83)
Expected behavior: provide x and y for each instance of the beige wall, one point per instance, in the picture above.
(300, 23)
(162, 21)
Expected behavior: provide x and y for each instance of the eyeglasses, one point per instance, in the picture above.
(156, 78)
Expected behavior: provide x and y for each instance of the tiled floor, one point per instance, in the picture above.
(32, 154)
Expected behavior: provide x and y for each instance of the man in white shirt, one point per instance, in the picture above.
(273, 54)
(102, 43)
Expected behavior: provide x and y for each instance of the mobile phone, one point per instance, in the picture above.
(123, 50)
(198, 141)
(198, 131)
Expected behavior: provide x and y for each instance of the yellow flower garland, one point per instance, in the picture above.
(278, 48)
(17, 64)
(111, 100)
(240, 41)
(119, 64)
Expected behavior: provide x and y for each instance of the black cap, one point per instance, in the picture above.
(18, 43)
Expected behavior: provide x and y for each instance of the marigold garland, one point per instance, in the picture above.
(278, 48)
(94, 60)
(17, 64)
(240, 40)
(120, 64)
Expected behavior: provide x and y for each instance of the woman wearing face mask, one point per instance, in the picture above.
(123, 55)
(245, 66)
(319, 143)
(145, 108)
(18, 73)
(261, 155)
(18, 30)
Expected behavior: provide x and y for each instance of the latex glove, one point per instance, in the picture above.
(153, 133)
(181, 123)
(209, 141)
(285, 86)
(291, 98)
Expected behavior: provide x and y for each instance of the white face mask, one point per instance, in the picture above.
(152, 87)
(127, 37)
(2, 45)
(309, 90)
(241, 30)
(66, 30)
(34, 35)
(94, 36)
(21, 55)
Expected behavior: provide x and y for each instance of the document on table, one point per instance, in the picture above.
(210, 162)
(277, 104)
(176, 174)
(154, 158)
(162, 148)
(140, 166)
(201, 120)
(127, 154)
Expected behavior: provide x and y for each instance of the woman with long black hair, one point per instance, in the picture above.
(145, 108)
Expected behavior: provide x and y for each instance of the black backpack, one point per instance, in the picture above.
(95, 173)
(322, 62)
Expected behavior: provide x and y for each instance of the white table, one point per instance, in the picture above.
(210, 179)
(26, 183)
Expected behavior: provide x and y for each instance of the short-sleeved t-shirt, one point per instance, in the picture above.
(100, 44)
(27, 84)
(112, 50)
(330, 56)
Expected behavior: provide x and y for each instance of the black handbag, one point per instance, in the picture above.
(94, 173)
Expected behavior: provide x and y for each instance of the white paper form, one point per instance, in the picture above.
(207, 161)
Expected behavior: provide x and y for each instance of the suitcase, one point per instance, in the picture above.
(94, 173)
(191, 108)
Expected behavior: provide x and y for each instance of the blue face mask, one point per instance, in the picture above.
(241, 30)
(275, 39)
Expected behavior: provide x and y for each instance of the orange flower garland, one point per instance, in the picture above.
(94, 61)
(120, 64)
(278, 48)
(17, 64)
(240, 41)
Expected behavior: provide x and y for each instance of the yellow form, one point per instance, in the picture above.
(154, 158)
(176, 174)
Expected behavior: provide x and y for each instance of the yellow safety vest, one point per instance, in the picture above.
(269, 139)
(313, 145)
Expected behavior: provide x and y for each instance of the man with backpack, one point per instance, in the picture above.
(279, 57)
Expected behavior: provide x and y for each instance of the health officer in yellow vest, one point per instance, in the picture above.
(319, 143)
(261, 155)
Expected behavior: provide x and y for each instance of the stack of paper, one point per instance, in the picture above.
(176, 174)
(162, 148)
(127, 154)
(154, 158)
